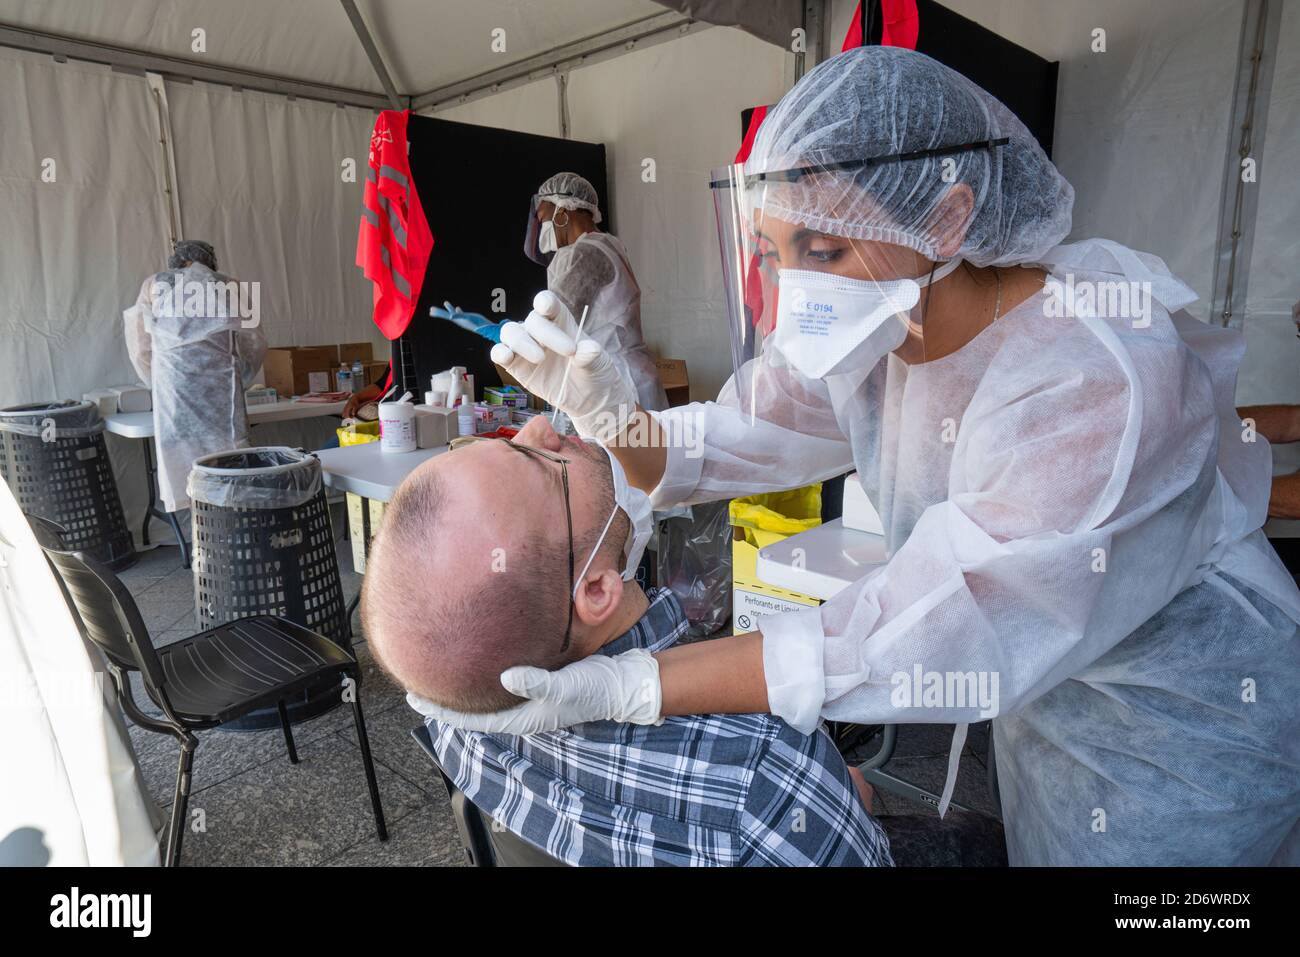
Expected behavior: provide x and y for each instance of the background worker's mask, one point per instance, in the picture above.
(546, 238)
(636, 504)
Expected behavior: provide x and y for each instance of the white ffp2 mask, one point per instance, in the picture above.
(546, 238)
(827, 324)
(636, 504)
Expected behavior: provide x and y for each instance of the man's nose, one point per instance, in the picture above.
(540, 435)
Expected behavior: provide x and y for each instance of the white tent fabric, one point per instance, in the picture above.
(261, 177)
(425, 44)
(72, 793)
(1273, 352)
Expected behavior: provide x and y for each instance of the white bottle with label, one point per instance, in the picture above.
(465, 424)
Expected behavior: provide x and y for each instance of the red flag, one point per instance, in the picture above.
(394, 240)
(900, 25)
(755, 121)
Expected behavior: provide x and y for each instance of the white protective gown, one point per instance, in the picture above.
(595, 272)
(198, 367)
(1092, 536)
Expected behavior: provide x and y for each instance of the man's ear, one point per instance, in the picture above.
(951, 219)
(598, 597)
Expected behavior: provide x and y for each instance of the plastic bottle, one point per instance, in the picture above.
(345, 379)
(465, 419)
(358, 375)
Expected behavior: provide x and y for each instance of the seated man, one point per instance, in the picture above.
(473, 572)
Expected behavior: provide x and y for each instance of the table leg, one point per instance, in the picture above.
(153, 493)
(180, 539)
(365, 550)
(153, 511)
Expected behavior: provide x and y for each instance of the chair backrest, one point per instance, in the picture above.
(485, 845)
(105, 611)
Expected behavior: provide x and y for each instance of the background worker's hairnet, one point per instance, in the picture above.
(570, 191)
(192, 251)
(879, 101)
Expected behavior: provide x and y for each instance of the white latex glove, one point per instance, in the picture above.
(599, 395)
(599, 688)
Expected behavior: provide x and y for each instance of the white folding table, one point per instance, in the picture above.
(139, 425)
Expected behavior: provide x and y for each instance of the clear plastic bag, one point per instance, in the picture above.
(68, 419)
(695, 563)
(269, 477)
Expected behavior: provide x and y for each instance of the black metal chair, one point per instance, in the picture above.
(203, 681)
(485, 845)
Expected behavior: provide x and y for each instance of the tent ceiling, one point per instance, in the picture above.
(425, 44)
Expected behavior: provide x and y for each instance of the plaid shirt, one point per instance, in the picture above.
(741, 789)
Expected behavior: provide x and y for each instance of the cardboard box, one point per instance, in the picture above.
(672, 373)
(508, 395)
(435, 425)
(287, 369)
(350, 352)
(374, 372)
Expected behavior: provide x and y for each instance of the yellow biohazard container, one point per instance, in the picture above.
(358, 433)
(756, 522)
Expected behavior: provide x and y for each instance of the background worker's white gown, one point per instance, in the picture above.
(198, 367)
(595, 272)
(1090, 534)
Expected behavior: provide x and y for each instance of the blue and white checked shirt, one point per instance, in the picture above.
(732, 790)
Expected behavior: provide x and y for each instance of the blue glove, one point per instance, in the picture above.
(469, 321)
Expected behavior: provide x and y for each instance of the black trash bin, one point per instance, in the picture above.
(263, 545)
(54, 459)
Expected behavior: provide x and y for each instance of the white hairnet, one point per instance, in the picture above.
(570, 191)
(880, 101)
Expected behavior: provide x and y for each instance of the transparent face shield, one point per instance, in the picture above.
(532, 234)
(806, 292)
(533, 241)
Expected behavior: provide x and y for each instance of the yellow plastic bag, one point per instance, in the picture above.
(358, 434)
(767, 518)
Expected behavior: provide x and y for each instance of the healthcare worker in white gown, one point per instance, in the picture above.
(1070, 503)
(588, 267)
(189, 343)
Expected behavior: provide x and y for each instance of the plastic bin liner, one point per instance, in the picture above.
(269, 477)
(695, 563)
(71, 419)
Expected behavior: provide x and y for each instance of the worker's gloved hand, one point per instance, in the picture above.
(599, 395)
(473, 322)
(599, 688)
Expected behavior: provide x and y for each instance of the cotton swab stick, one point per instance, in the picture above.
(564, 382)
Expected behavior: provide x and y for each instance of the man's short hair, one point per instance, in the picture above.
(450, 645)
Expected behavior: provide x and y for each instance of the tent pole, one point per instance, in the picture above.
(638, 35)
(178, 68)
(372, 51)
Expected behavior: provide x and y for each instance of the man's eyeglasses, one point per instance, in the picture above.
(568, 511)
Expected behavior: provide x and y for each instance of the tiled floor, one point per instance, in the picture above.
(249, 805)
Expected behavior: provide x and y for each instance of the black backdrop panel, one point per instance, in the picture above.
(475, 185)
(1021, 79)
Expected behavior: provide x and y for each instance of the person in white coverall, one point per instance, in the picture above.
(190, 343)
(588, 267)
(1071, 514)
